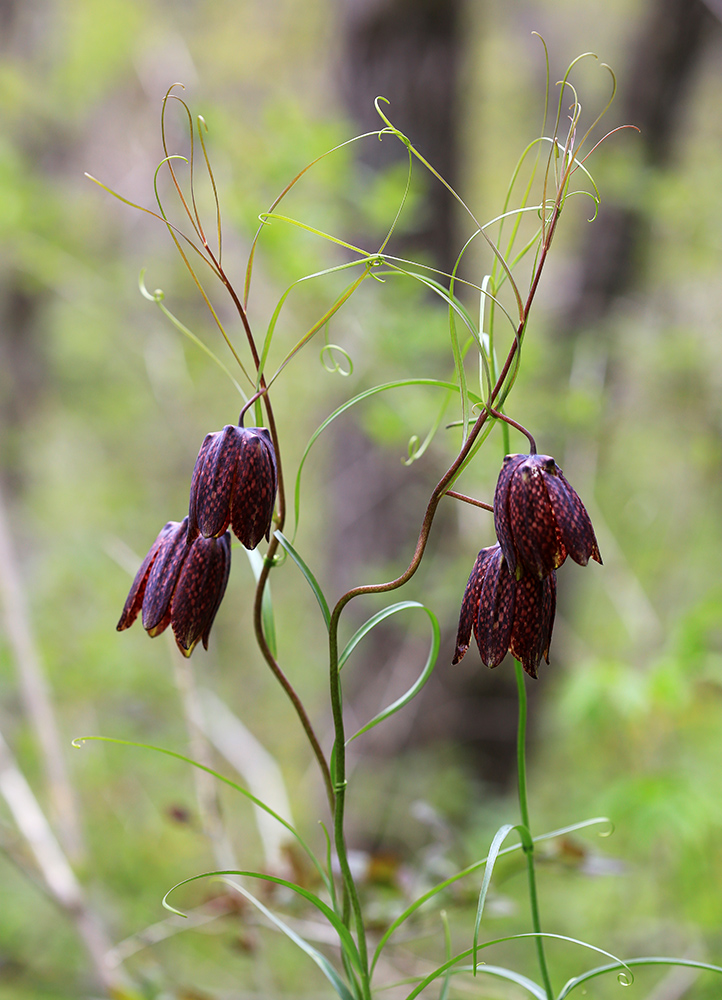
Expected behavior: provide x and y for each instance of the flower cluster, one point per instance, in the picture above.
(510, 598)
(182, 580)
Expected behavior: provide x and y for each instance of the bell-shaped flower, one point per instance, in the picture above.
(234, 482)
(181, 584)
(539, 518)
(506, 614)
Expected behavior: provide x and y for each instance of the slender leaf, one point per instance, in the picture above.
(420, 680)
(446, 988)
(371, 623)
(416, 450)
(435, 890)
(500, 836)
(505, 973)
(346, 941)
(352, 402)
(317, 326)
(157, 296)
(321, 961)
(600, 970)
(310, 578)
(513, 977)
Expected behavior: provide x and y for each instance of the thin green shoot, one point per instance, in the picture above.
(267, 617)
(662, 960)
(282, 195)
(541, 994)
(366, 394)
(469, 870)
(321, 961)
(202, 125)
(158, 297)
(310, 578)
(455, 195)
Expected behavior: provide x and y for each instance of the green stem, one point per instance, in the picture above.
(529, 846)
(351, 901)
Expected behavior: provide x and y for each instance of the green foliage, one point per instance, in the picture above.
(632, 724)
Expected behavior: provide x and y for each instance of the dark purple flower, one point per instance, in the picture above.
(180, 584)
(506, 614)
(234, 482)
(539, 518)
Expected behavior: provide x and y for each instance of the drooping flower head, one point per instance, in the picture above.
(539, 518)
(506, 614)
(180, 584)
(234, 483)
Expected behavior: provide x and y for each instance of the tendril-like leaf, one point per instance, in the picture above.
(423, 676)
(331, 363)
(347, 942)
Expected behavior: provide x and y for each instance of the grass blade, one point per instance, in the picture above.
(499, 837)
(435, 890)
(346, 942)
(310, 578)
(600, 970)
(347, 405)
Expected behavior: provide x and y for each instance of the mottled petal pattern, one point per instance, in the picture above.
(134, 600)
(501, 509)
(526, 638)
(574, 523)
(535, 535)
(254, 492)
(539, 519)
(212, 484)
(162, 579)
(180, 584)
(492, 628)
(234, 482)
(510, 599)
(199, 591)
(549, 608)
(506, 614)
(470, 604)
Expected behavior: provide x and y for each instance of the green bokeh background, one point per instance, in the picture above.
(105, 404)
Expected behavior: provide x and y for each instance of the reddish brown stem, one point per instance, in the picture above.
(471, 500)
(513, 423)
(441, 487)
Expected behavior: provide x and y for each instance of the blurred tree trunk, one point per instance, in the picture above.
(410, 52)
(664, 56)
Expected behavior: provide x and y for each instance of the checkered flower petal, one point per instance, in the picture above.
(234, 483)
(180, 584)
(539, 518)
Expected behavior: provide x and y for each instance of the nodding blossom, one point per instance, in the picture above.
(539, 518)
(506, 614)
(181, 584)
(234, 483)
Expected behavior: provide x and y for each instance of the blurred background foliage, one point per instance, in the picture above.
(103, 405)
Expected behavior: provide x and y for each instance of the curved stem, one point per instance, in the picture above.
(256, 396)
(524, 811)
(442, 486)
(281, 677)
(513, 423)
